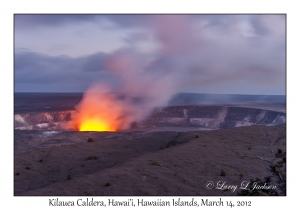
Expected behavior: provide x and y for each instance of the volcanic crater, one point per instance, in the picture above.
(176, 150)
(190, 117)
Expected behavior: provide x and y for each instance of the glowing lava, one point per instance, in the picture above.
(97, 112)
(95, 125)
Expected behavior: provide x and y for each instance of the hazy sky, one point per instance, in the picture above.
(240, 54)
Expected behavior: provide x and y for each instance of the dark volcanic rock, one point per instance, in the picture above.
(150, 163)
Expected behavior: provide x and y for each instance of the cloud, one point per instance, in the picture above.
(191, 51)
(27, 21)
(35, 69)
(93, 63)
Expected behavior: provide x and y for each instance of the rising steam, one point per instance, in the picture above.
(145, 80)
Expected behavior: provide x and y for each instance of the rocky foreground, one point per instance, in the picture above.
(216, 162)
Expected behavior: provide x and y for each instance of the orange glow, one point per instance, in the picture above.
(95, 125)
(97, 112)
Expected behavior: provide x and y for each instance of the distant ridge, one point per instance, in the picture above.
(202, 98)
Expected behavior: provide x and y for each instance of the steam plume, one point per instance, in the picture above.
(147, 80)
